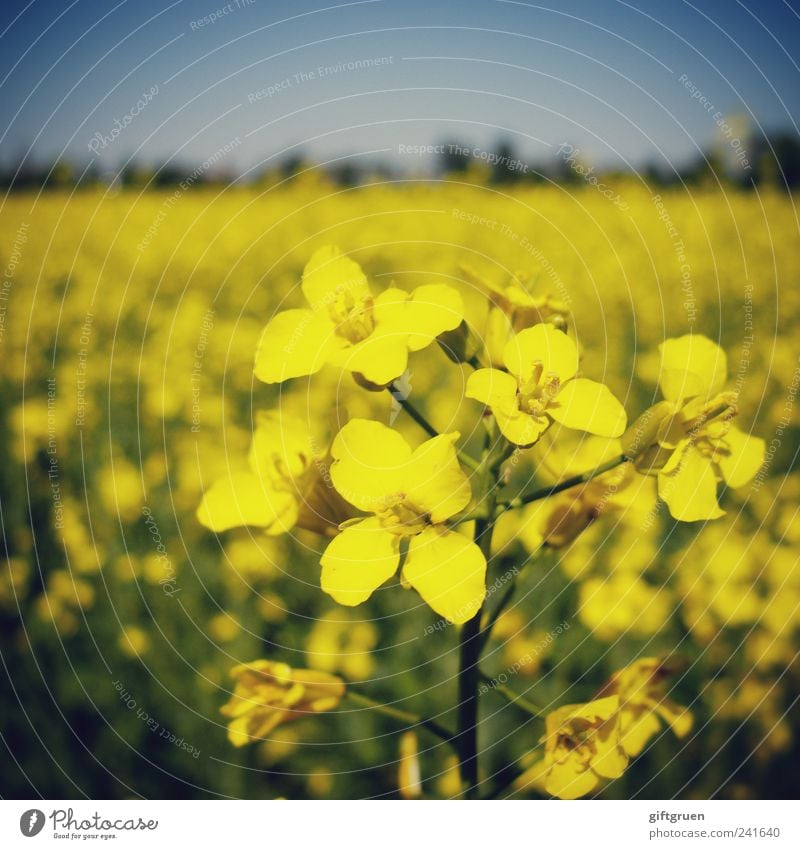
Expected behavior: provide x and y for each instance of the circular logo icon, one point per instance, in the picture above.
(31, 822)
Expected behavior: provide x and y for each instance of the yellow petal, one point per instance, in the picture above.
(637, 729)
(543, 344)
(688, 485)
(244, 499)
(520, 428)
(603, 708)
(381, 357)
(330, 277)
(295, 343)
(369, 463)
(358, 560)
(585, 405)
(610, 761)
(678, 718)
(534, 777)
(492, 387)
(741, 458)
(569, 780)
(281, 443)
(448, 571)
(497, 331)
(431, 310)
(691, 365)
(239, 730)
(434, 481)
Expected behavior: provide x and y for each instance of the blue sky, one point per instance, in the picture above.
(604, 76)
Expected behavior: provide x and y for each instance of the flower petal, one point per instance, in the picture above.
(688, 485)
(610, 761)
(431, 310)
(281, 440)
(637, 728)
(245, 499)
(295, 343)
(742, 457)
(358, 560)
(330, 277)
(434, 481)
(570, 779)
(520, 428)
(381, 357)
(492, 387)
(586, 405)
(691, 365)
(534, 777)
(542, 343)
(679, 718)
(369, 463)
(448, 571)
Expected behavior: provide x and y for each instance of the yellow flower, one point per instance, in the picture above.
(512, 308)
(349, 327)
(688, 439)
(411, 494)
(581, 749)
(283, 487)
(267, 694)
(540, 387)
(640, 688)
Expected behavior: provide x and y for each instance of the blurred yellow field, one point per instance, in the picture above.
(130, 324)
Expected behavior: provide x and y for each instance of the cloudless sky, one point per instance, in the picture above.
(602, 75)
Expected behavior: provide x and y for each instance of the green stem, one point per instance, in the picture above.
(417, 416)
(404, 716)
(514, 698)
(469, 674)
(575, 480)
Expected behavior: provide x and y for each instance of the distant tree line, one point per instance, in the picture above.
(771, 160)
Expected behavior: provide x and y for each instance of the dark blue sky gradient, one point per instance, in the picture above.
(603, 76)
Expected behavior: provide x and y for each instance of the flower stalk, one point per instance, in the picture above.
(568, 483)
(413, 720)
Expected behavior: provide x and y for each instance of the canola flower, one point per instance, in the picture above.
(283, 486)
(582, 750)
(512, 307)
(641, 688)
(540, 386)
(411, 495)
(688, 439)
(414, 500)
(349, 327)
(588, 744)
(267, 694)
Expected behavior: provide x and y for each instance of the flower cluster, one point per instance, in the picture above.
(587, 744)
(387, 507)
